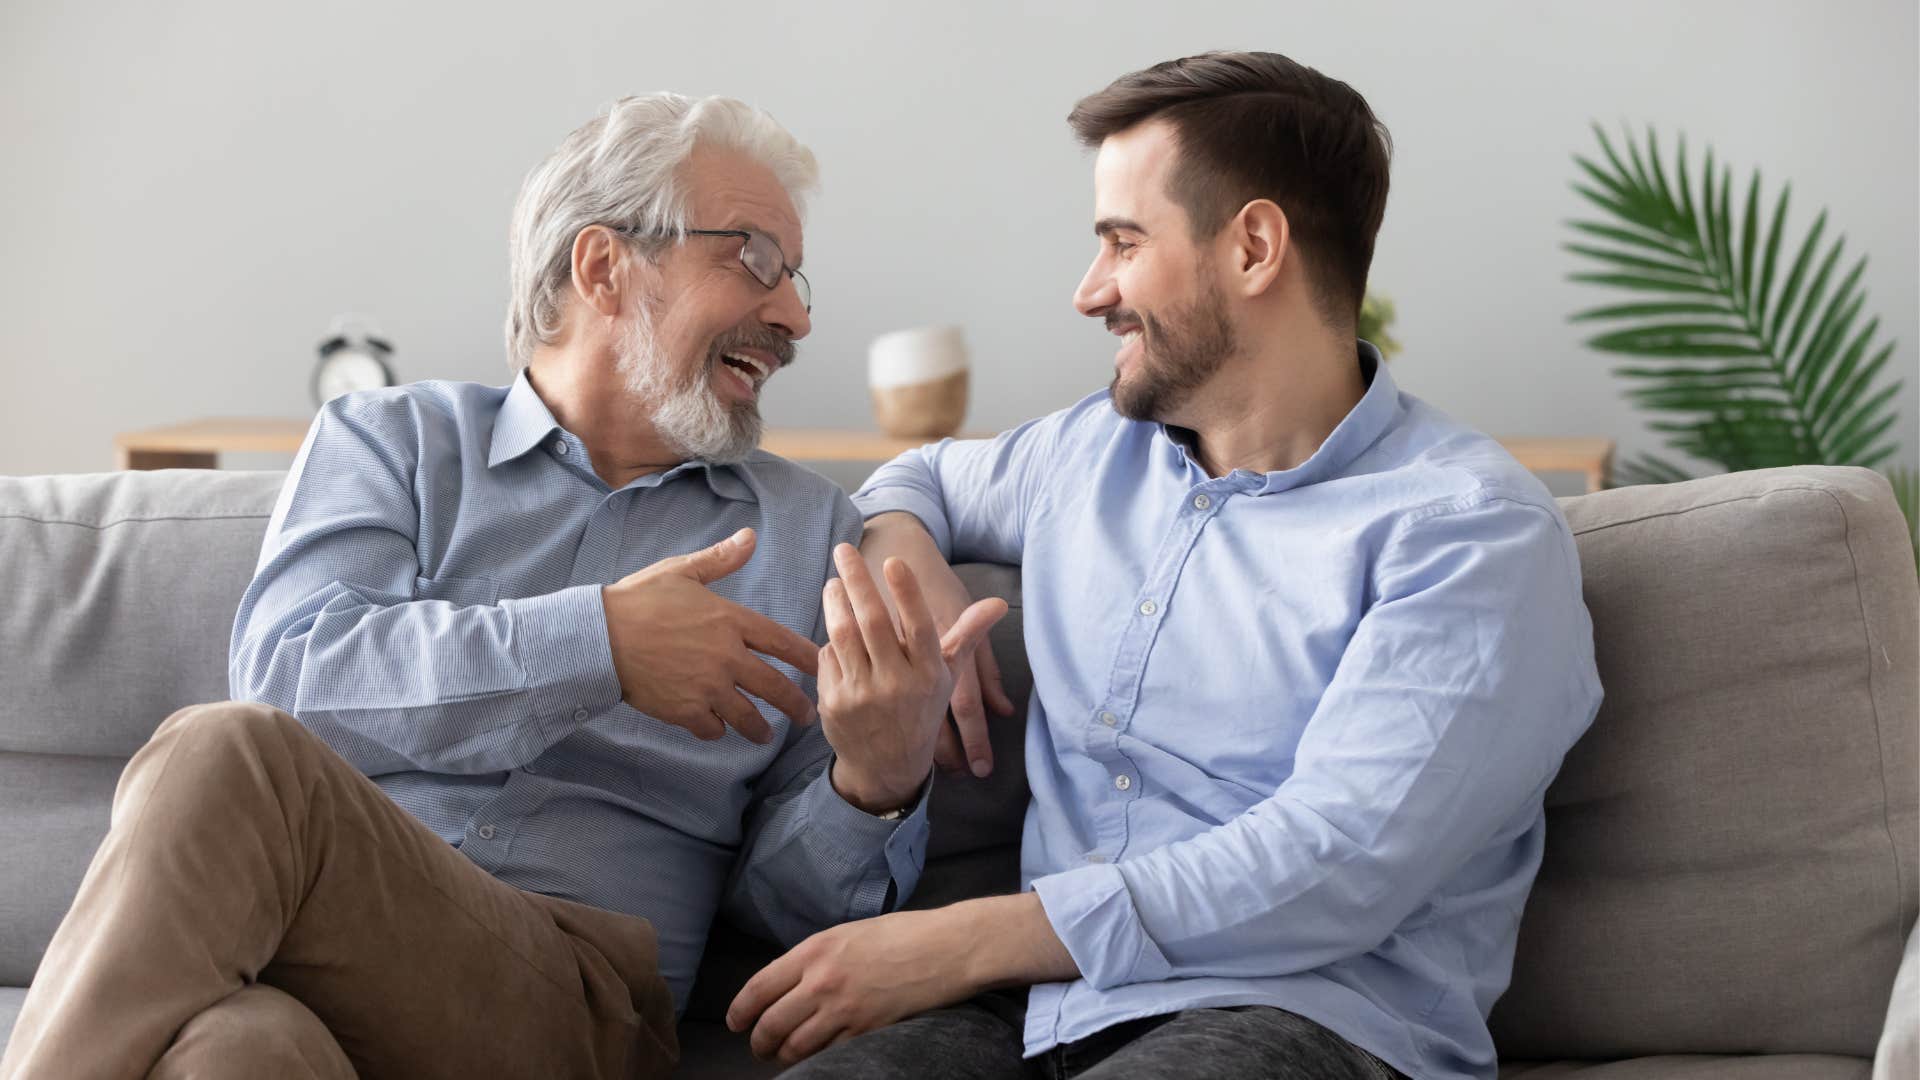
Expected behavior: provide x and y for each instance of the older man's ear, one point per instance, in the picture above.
(604, 271)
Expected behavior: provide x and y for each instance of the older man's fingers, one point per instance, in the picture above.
(843, 630)
(869, 608)
(759, 678)
(763, 635)
(739, 714)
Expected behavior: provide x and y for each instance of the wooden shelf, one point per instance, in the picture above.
(199, 444)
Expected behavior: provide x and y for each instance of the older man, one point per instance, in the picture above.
(1306, 654)
(535, 618)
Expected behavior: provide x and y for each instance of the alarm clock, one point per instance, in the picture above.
(352, 358)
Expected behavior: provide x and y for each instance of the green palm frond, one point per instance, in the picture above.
(1646, 469)
(1906, 491)
(1750, 351)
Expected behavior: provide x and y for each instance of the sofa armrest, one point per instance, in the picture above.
(1898, 1056)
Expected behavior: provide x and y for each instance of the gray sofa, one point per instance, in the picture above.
(1729, 884)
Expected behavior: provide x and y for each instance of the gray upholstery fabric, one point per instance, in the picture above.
(120, 592)
(1695, 1067)
(972, 813)
(708, 1051)
(10, 999)
(1898, 1055)
(1730, 851)
(53, 812)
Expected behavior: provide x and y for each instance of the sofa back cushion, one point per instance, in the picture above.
(1730, 850)
(121, 589)
(120, 592)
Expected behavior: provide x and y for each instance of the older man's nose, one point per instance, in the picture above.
(784, 313)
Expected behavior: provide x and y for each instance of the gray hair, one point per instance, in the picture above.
(621, 169)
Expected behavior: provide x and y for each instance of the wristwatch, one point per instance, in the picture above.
(894, 815)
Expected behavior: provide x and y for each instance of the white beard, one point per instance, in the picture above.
(687, 415)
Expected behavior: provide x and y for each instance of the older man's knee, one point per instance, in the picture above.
(223, 744)
(225, 720)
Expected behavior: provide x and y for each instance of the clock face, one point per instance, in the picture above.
(346, 370)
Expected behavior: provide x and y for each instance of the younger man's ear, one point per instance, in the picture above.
(1260, 243)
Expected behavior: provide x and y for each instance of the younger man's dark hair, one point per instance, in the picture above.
(1256, 125)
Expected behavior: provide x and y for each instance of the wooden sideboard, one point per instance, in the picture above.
(198, 444)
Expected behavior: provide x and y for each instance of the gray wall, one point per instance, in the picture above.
(191, 190)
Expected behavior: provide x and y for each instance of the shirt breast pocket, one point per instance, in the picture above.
(458, 591)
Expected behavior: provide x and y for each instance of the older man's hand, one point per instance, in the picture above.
(684, 654)
(884, 692)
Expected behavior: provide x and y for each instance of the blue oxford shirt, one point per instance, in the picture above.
(427, 601)
(1290, 732)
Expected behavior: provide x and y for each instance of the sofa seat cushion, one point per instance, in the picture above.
(1696, 1067)
(10, 999)
(708, 1051)
(53, 812)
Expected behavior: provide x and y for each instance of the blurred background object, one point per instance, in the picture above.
(918, 379)
(205, 159)
(353, 356)
(1376, 318)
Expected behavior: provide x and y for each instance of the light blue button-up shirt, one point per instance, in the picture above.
(1290, 732)
(427, 601)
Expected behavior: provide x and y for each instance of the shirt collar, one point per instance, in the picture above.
(524, 422)
(1377, 410)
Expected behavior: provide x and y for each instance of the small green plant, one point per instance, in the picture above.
(1751, 360)
(1376, 315)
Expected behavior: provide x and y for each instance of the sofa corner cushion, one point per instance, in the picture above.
(1729, 850)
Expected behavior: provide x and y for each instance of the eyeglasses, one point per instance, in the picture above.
(762, 257)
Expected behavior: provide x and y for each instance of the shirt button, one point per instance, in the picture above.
(1148, 607)
(1123, 781)
(1109, 719)
(581, 715)
(560, 447)
(529, 770)
(1201, 502)
(1095, 857)
(486, 832)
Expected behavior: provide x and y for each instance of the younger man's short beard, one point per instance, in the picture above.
(1177, 356)
(687, 415)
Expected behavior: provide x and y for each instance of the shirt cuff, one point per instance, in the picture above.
(560, 641)
(857, 836)
(900, 498)
(1094, 917)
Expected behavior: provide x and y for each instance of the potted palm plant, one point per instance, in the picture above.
(1752, 353)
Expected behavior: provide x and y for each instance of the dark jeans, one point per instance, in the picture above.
(981, 1039)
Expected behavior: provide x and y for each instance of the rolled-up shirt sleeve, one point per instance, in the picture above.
(1460, 692)
(330, 629)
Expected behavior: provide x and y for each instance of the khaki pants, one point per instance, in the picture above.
(259, 908)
